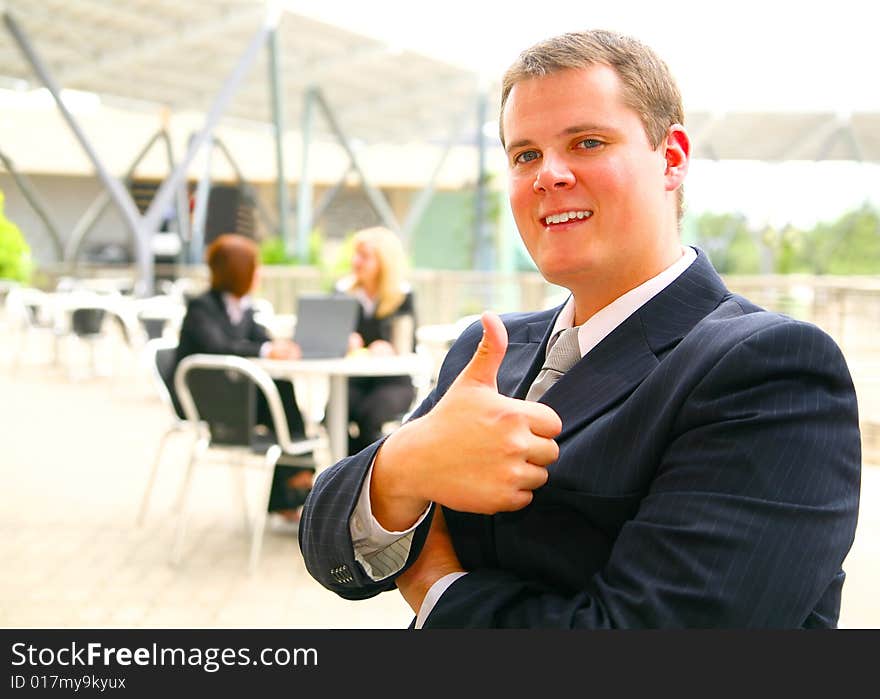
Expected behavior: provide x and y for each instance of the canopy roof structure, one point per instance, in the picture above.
(178, 54)
(206, 57)
(778, 136)
(209, 57)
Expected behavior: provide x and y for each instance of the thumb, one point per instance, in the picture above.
(483, 367)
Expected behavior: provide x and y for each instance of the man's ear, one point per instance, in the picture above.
(678, 155)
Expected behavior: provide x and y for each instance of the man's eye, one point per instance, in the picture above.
(526, 156)
(590, 143)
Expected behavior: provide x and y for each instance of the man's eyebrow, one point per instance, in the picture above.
(577, 128)
(518, 144)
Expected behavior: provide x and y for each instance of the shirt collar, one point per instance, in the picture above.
(236, 307)
(596, 328)
(368, 304)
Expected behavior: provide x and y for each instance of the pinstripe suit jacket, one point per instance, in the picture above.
(708, 476)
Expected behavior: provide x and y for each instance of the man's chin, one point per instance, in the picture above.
(560, 273)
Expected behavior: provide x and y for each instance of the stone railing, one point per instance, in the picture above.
(847, 308)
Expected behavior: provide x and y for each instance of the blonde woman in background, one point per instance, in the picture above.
(386, 326)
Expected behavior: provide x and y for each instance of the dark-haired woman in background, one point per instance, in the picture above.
(386, 325)
(221, 321)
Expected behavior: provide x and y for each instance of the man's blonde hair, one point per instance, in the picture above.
(648, 87)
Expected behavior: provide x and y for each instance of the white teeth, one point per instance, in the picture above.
(567, 216)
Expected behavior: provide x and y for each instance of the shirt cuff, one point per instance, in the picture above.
(382, 553)
(433, 596)
(264, 349)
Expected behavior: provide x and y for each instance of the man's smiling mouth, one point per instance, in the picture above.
(566, 216)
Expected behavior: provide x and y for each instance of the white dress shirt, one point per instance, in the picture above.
(235, 308)
(384, 553)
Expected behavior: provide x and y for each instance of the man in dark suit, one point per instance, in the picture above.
(657, 452)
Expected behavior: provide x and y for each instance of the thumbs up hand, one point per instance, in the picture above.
(475, 451)
(483, 367)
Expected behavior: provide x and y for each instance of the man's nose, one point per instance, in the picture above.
(554, 173)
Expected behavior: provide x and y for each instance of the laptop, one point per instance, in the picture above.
(324, 323)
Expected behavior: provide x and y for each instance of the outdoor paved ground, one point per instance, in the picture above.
(74, 458)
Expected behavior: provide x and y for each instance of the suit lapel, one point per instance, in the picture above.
(610, 371)
(525, 354)
(623, 359)
(242, 329)
(673, 313)
(221, 309)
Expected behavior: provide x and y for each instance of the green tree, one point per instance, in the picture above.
(727, 241)
(443, 238)
(849, 245)
(15, 254)
(791, 251)
(337, 262)
(274, 252)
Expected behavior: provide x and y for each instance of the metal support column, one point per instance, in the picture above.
(99, 205)
(328, 196)
(121, 197)
(375, 197)
(242, 182)
(167, 189)
(304, 190)
(200, 210)
(484, 254)
(278, 123)
(34, 200)
(181, 204)
(420, 205)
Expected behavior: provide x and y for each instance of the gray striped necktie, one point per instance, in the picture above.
(564, 353)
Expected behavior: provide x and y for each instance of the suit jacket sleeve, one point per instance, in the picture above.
(749, 515)
(324, 533)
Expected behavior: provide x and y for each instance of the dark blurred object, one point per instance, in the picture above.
(153, 327)
(87, 322)
(230, 210)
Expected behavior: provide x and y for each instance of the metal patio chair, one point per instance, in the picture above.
(218, 394)
(159, 355)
